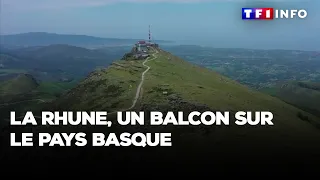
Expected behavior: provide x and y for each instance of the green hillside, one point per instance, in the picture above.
(305, 95)
(173, 84)
(54, 88)
(23, 93)
(16, 94)
(23, 83)
(26, 85)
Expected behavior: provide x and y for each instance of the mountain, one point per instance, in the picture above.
(8, 61)
(5, 58)
(305, 95)
(172, 84)
(56, 61)
(44, 39)
(18, 94)
(58, 50)
(23, 83)
(22, 92)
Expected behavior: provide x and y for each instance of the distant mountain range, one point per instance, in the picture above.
(55, 61)
(43, 39)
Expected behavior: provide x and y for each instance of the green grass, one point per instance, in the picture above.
(204, 86)
(19, 85)
(110, 88)
(23, 93)
(305, 95)
(55, 87)
(270, 90)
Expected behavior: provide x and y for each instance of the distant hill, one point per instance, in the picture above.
(22, 92)
(58, 50)
(23, 83)
(56, 59)
(15, 94)
(10, 60)
(9, 66)
(7, 60)
(43, 39)
(305, 95)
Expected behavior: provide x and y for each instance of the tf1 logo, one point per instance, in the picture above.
(271, 13)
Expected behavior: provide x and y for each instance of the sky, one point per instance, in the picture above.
(214, 23)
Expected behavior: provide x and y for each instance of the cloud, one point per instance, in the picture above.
(54, 4)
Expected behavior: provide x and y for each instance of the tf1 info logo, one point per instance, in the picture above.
(271, 13)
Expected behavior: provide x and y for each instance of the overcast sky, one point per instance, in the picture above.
(208, 22)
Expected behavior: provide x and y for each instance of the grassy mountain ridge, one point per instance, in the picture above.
(117, 83)
(173, 84)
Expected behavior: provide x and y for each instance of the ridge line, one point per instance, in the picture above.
(135, 99)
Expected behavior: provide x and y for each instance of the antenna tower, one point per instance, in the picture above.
(149, 34)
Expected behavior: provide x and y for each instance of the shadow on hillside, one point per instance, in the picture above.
(193, 147)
